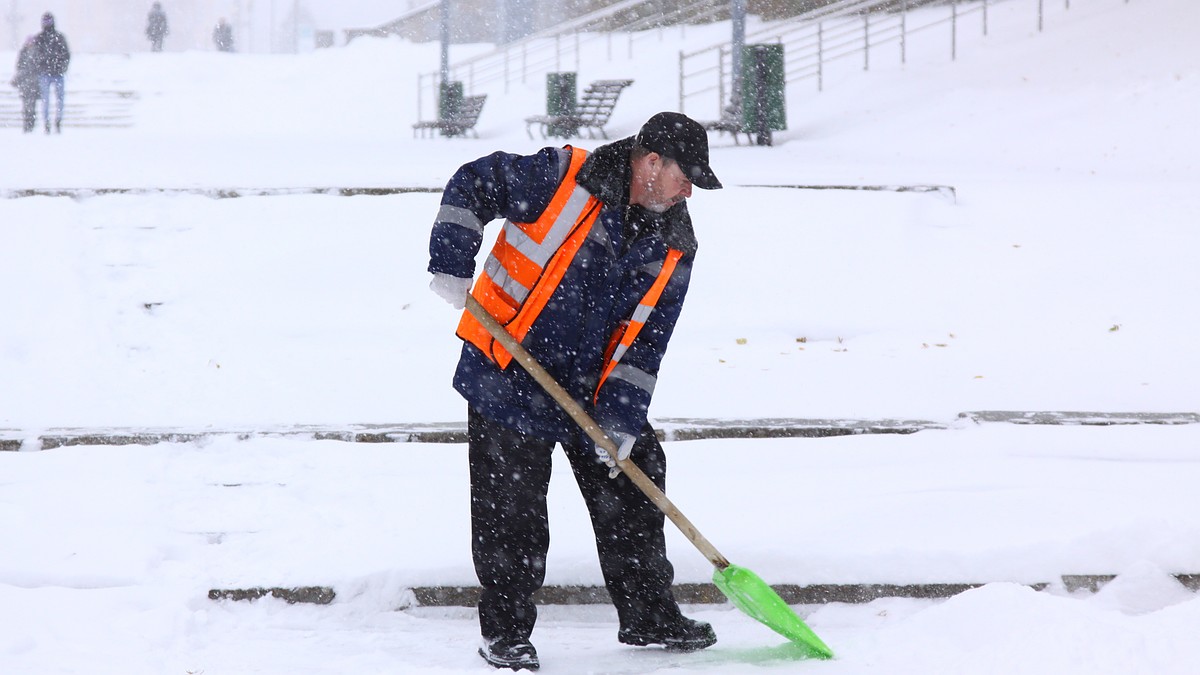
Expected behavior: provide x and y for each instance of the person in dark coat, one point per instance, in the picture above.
(156, 26)
(53, 58)
(223, 36)
(631, 266)
(26, 82)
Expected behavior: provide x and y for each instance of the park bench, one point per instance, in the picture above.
(592, 111)
(730, 123)
(458, 125)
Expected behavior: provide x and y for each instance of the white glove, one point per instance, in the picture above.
(452, 289)
(625, 447)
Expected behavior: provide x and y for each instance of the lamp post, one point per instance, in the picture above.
(738, 10)
(445, 38)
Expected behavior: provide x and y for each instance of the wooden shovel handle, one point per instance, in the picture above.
(593, 430)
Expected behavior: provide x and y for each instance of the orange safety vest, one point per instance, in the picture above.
(628, 330)
(528, 262)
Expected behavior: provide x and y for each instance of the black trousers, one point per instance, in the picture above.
(510, 473)
(29, 112)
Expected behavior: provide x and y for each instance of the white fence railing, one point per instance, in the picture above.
(812, 40)
(559, 48)
(841, 30)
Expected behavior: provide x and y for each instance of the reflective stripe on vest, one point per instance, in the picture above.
(528, 262)
(630, 329)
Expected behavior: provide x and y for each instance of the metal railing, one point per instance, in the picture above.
(812, 40)
(560, 47)
(413, 14)
(831, 33)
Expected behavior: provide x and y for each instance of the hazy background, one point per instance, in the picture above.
(118, 26)
(275, 26)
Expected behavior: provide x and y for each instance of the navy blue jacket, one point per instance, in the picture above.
(602, 286)
(53, 55)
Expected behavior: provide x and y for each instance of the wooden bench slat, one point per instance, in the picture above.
(463, 122)
(592, 111)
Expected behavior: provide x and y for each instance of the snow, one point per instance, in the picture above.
(1056, 277)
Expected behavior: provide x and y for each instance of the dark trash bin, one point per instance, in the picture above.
(763, 107)
(560, 101)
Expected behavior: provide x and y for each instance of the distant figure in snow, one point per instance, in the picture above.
(51, 60)
(26, 82)
(223, 36)
(156, 27)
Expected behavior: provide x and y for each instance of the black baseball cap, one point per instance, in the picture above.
(681, 138)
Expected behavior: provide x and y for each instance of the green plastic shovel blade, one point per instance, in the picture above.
(749, 593)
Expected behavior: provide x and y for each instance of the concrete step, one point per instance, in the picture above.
(687, 594)
(82, 108)
(669, 429)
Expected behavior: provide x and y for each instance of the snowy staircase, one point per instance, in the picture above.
(83, 108)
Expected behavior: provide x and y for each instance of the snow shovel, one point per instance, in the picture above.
(745, 589)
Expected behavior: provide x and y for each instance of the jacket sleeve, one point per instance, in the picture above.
(500, 185)
(624, 398)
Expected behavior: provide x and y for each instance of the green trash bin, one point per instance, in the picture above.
(763, 108)
(560, 100)
(450, 97)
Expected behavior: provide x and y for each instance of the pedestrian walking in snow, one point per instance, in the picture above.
(223, 36)
(589, 273)
(156, 27)
(26, 81)
(52, 59)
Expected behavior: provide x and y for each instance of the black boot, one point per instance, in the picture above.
(680, 635)
(511, 654)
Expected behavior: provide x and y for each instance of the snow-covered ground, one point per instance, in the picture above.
(1058, 278)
